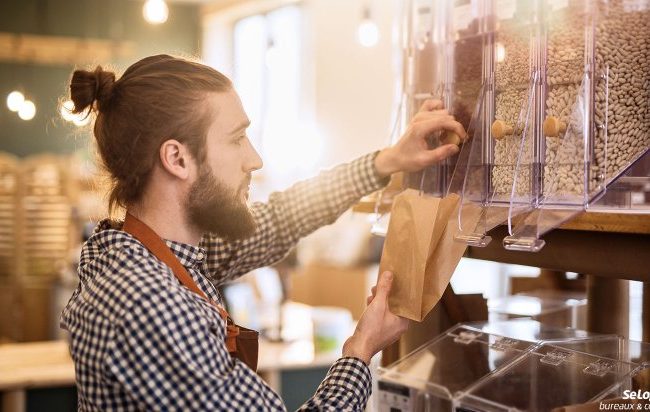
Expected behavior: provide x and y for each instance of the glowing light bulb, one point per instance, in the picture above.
(15, 100)
(81, 120)
(27, 110)
(155, 11)
(66, 110)
(368, 33)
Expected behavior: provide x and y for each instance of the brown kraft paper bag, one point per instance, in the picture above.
(420, 250)
(406, 249)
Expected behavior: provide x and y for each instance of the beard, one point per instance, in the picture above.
(212, 207)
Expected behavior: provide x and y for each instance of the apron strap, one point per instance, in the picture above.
(158, 247)
(248, 339)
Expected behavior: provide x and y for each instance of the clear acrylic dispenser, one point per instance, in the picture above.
(429, 378)
(507, 365)
(545, 378)
(496, 171)
(593, 120)
(555, 96)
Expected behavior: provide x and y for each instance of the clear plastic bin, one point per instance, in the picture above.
(429, 378)
(508, 365)
(620, 349)
(548, 377)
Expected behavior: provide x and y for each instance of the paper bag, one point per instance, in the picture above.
(444, 259)
(406, 249)
(420, 251)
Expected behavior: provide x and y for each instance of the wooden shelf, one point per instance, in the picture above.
(611, 222)
(624, 222)
(601, 253)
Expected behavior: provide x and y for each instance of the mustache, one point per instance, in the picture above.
(247, 181)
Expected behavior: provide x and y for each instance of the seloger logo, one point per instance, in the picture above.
(638, 394)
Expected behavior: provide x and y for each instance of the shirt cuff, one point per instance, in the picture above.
(368, 179)
(354, 375)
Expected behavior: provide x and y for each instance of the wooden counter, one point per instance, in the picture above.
(35, 365)
(46, 364)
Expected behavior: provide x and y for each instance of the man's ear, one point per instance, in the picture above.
(175, 159)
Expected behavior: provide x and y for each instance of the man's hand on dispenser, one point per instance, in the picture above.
(378, 327)
(411, 153)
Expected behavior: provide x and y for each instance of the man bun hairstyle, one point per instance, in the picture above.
(156, 99)
(88, 87)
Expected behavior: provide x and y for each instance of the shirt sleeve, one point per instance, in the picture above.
(291, 215)
(346, 387)
(168, 353)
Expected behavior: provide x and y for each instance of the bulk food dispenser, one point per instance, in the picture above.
(555, 96)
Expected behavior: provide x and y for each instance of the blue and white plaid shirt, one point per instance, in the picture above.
(142, 341)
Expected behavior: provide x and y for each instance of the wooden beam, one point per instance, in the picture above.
(606, 254)
(61, 51)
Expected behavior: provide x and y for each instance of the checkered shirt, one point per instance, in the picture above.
(142, 341)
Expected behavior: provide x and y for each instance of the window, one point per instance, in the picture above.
(267, 72)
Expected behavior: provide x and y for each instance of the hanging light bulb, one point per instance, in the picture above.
(27, 110)
(15, 99)
(66, 110)
(368, 32)
(81, 120)
(155, 11)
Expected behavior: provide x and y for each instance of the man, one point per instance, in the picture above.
(171, 134)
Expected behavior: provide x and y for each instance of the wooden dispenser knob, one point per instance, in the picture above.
(553, 126)
(451, 138)
(501, 129)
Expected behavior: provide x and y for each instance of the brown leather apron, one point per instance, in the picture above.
(242, 343)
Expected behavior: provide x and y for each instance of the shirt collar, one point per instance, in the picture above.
(187, 254)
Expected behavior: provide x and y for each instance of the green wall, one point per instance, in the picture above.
(45, 85)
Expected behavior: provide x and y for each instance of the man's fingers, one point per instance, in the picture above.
(438, 154)
(384, 285)
(426, 127)
(421, 116)
(373, 292)
(431, 104)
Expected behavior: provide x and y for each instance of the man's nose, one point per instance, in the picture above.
(254, 160)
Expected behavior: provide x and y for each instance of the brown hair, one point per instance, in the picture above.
(158, 98)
